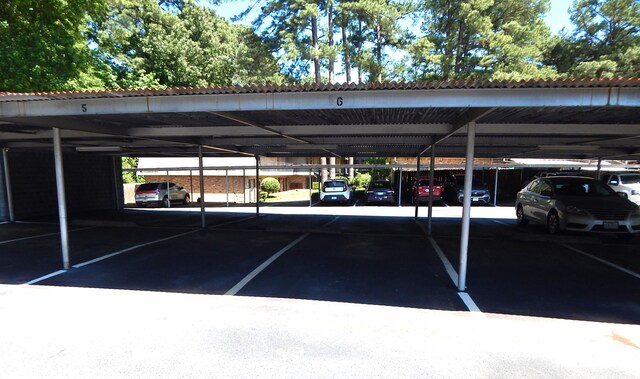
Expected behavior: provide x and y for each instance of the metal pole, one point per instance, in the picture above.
(257, 186)
(432, 171)
(495, 190)
(7, 181)
(399, 187)
(416, 191)
(168, 191)
(191, 182)
(226, 172)
(244, 186)
(466, 206)
(201, 170)
(310, 190)
(62, 201)
(599, 167)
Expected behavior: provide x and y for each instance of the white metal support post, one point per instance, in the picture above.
(168, 191)
(495, 189)
(62, 201)
(7, 182)
(466, 206)
(416, 189)
(432, 171)
(310, 190)
(201, 171)
(400, 187)
(226, 181)
(257, 186)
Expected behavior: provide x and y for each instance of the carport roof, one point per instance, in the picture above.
(570, 119)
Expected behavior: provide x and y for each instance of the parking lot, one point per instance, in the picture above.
(341, 254)
(314, 292)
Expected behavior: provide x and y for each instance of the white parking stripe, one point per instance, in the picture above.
(466, 299)
(626, 271)
(264, 265)
(34, 281)
(447, 265)
(471, 305)
(44, 235)
(133, 248)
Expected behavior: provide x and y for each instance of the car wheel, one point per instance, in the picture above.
(520, 216)
(165, 202)
(187, 199)
(553, 223)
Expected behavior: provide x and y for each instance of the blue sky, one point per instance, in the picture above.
(557, 18)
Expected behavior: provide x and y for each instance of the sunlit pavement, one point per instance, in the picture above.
(58, 332)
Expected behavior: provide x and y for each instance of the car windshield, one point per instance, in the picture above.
(380, 185)
(630, 179)
(148, 187)
(425, 182)
(583, 188)
(334, 183)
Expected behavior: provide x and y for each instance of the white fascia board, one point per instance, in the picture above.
(442, 98)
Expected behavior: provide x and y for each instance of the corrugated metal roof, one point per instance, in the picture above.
(271, 88)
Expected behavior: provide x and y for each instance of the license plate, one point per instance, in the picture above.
(475, 199)
(334, 197)
(610, 225)
(380, 193)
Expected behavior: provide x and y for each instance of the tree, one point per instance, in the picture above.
(44, 44)
(484, 39)
(130, 176)
(605, 43)
(270, 185)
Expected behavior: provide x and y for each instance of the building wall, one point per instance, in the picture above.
(91, 183)
(218, 184)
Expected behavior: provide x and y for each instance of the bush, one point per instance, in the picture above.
(270, 185)
(263, 196)
(361, 180)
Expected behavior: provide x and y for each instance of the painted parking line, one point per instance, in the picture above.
(453, 274)
(133, 248)
(34, 281)
(620, 268)
(235, 289)
(264, 265)
(44, 235)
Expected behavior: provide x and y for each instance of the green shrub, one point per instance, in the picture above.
(263, 196)
(270, 185)
(361, 180)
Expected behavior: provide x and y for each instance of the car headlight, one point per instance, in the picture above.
(575, 210)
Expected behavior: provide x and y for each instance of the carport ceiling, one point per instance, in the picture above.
(577, 119)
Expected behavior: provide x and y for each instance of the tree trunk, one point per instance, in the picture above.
(347, 54)
(323, 172)
(330, 40)
(316, 58)
(332, 170)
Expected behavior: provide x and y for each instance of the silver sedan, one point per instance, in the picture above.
(577, 204)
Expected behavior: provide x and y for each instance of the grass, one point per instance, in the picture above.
(292, 195)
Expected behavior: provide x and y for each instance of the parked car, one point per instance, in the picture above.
(423, 190)
(380, 191)
(576, 203)
(156, 194)
(454, 189)
(335, 191)
(627, 184)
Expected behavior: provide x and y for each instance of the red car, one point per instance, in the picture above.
(423, 190)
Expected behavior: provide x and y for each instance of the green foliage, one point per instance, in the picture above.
(361, 180)
(270, 185)
(130, 176)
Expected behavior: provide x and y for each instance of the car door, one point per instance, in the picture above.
(542, 200)
(527, 198)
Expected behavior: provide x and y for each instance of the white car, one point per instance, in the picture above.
(627, 184)
(335, 191)
(156, 194)
(578, 204)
